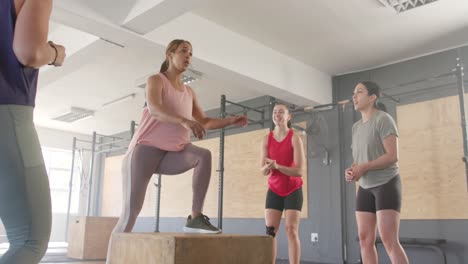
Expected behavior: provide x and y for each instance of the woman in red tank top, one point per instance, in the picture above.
(282, 160)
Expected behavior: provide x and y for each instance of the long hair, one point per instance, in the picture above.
(172, 47)
(374, 89)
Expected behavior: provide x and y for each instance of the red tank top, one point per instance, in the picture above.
(283, 153)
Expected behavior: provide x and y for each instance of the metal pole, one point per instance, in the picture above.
(263, 118)
(343, 191)
(461, 96)
(222, 114)
(70, 188)
(132, 128)
(158, 203)
(93, 151)
(272, 105)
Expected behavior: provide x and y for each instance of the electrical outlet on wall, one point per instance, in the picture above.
(314, 237)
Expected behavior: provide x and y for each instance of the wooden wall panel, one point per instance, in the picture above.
(244, 186)
(431, 148)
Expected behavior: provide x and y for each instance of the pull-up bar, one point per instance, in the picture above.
(245, 107)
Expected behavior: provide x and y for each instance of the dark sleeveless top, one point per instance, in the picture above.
(18, 84)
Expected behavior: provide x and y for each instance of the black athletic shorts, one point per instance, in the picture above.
(385, 196)
(280, 203)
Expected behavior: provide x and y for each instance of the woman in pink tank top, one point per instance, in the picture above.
(162, 145)
(282, 160)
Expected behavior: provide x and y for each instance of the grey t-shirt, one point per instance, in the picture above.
(367, 145)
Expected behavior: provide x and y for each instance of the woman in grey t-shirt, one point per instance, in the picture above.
(375, 154)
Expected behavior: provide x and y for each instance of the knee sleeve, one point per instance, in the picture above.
(270, 230)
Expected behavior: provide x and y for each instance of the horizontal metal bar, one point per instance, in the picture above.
(327, 106)
(428, 89)
(297, 111)
(260, 122)
(250, 120)
(289, 105)
(242, 112)
(110, 150)
(106, 136)
(233, 127)
(298, 128)
(84, 149)
(262, 106)
(452, 73)
(81, 140)
(210, 132)
(246, 107)
(396, 100)
(112, 142)
(100, 135)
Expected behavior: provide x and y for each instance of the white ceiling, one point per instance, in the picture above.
(245, 49)
(339, 36)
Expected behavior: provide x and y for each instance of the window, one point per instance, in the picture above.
(58, 165)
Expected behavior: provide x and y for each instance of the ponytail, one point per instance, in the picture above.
(164, 66)
(380, 106)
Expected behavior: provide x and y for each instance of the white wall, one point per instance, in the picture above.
(53, 138)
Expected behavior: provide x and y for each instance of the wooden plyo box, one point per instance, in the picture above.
(88, 237)
(179, 248)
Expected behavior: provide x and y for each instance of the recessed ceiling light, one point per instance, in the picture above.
(74, 114)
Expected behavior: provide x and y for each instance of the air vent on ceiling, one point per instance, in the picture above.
(189, 76)
(404, 5)
(74, 114)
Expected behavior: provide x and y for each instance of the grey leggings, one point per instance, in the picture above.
(25, 207)
(143, 161)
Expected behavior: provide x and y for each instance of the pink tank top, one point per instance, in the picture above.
(165, 135)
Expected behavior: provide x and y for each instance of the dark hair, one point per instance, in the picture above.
(172, 47)
(374, 89)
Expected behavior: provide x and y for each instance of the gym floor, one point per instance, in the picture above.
(99, 262)
(102, 262)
